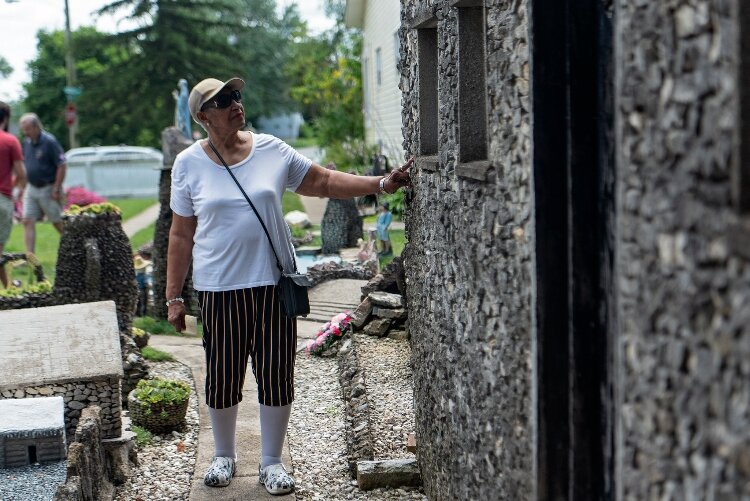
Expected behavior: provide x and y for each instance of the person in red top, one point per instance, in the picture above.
(12, 173)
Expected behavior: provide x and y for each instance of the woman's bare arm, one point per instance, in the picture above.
(178, 261)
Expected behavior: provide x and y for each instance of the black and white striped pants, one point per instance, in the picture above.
(247, 324)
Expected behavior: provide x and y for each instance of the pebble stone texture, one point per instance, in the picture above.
(95, 263)
(468, 268)
(173, 142)
(341, 225)
(50, 352)
(683, 291)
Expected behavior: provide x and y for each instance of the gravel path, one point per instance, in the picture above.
(31, 483)
(388, 380)
(166, 465)
(316, 428)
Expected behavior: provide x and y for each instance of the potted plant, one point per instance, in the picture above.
(159, 405)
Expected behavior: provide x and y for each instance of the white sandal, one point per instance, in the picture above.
(275, 479)
(220, 473)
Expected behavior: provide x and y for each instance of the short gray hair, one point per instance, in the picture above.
(31, 117)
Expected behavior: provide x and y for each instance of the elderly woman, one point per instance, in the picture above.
(234, 269)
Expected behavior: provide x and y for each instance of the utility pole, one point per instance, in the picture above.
(71, 91)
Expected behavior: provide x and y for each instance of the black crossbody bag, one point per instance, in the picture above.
(292, 286)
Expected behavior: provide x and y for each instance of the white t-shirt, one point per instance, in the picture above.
(230, 249)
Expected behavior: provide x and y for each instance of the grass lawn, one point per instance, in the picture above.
(144, 236)
(48, 240)
(132, 206)
(291, 201)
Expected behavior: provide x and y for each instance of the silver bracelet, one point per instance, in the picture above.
(174, 300)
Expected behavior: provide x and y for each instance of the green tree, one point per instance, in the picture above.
(98, 106)
(5, 68)
(263, 41)
(174, 39)
(326, 76)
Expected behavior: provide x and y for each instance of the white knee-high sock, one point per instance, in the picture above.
(273, 425)
(224, 425)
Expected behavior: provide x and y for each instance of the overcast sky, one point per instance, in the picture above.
(20, 21)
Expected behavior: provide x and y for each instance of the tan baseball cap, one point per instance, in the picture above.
(208, 88)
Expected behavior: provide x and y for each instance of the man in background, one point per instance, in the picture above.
(12, 174)
(45, 167)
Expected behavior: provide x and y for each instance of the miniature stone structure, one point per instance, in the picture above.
(71, 351)
(172, 142)
(32, 430)
(341, 225)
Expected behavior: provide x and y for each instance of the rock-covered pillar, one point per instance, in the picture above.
(172, 142)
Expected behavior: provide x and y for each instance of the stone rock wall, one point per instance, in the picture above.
(78, 396)
(341, 225)
(683, 290)
(172, 143)
(468, 269)
(95, 263)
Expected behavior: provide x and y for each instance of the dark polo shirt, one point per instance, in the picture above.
(42, 159)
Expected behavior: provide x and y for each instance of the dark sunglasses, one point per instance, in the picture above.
(223, 100)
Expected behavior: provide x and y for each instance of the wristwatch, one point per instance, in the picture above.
(382, 186)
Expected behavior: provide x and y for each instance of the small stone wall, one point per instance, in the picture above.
(77, 396)
(333, 271)
(87, 463)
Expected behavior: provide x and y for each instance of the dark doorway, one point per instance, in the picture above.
(574, 179)
(32, 454)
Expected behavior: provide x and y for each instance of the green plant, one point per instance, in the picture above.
(396, 203)
(93, 209)
(155, 326)
(38, 288)
(155, 355)
(161, 391)
(351, 155)
(142, 435)
(291, 201)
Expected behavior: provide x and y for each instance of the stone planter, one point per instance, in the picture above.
(157, 418)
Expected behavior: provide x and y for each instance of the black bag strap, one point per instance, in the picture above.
(278, 263)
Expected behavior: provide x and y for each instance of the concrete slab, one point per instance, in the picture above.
(56, 344)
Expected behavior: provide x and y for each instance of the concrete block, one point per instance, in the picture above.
(388, 473)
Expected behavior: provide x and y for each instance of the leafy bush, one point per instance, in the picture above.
(396, 203)
(162, 391)
(155, 355)
(351, 155)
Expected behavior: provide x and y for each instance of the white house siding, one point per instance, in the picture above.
(382, 106)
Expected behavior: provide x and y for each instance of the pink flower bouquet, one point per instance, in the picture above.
(329, 333)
